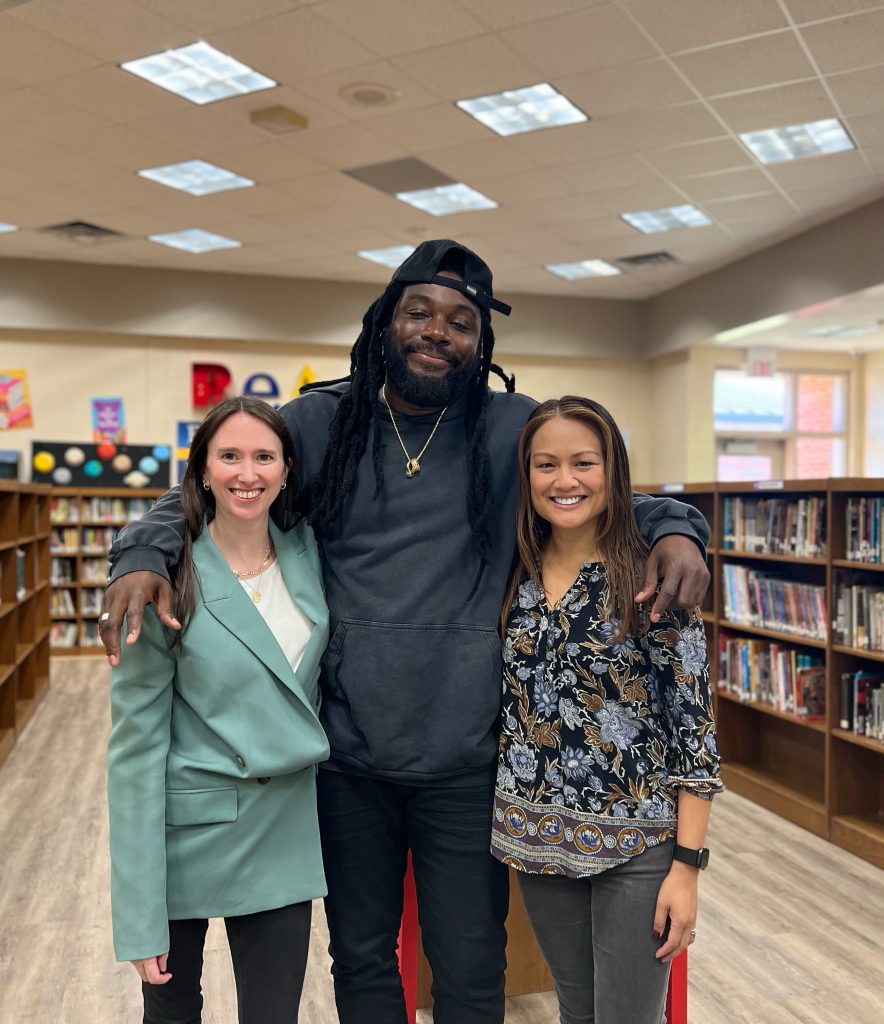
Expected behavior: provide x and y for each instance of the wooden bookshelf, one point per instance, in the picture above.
(815, 773)
(24, 606)
(84, 522)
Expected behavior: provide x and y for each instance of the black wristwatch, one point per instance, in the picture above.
(696, 858)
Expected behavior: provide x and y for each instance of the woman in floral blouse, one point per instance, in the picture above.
(608, 758)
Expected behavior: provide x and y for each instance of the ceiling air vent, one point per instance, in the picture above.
(83, 233)
(648, 261)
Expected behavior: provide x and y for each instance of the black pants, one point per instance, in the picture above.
(269, 953)
(367, 827)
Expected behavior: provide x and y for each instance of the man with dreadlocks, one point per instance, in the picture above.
(410, 466)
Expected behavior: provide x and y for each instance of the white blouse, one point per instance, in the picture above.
(290, 626)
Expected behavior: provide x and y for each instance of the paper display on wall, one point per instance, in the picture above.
(15, 401)
(108, 421)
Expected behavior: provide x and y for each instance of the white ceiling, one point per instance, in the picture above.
(668, 85)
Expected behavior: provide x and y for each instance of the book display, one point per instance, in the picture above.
(24, 606)
(795, 628)
(84, 523)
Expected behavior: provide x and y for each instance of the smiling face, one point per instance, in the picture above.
(566, 472)
(431, 344)
(245, 468)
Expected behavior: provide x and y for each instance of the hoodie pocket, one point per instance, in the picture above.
(402, 698)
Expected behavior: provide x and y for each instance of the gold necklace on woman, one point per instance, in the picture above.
(412, 465)
(248, 574)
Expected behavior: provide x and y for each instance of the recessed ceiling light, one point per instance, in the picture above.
(523, 110)
(775, 145)
(670, 218)
(390, 257)
(6, 228)
(842, 331)
(195, 240)
(199, 73)
(583, 268)
(445, 199)
(196, 177)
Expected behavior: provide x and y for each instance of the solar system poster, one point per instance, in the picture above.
(68, 464)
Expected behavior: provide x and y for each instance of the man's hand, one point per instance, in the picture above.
(676, 560)
(126, 598)
(153, 969)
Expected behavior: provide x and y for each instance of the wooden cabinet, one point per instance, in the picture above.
(24, 606)
(778, 660)
(84, 523)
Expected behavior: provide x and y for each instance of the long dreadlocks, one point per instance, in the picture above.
(359, 413)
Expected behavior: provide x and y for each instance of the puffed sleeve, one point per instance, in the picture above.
(677, 648)
(141, 708)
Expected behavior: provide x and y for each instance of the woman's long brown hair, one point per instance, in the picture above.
(199, 504)
(618, 538)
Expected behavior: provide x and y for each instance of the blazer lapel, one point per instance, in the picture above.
(226, 600)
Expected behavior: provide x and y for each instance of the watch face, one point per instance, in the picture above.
(702, 858)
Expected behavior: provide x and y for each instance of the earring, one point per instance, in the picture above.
(282, 486)
(206, 485)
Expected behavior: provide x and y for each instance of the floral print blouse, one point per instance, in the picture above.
(597, 734)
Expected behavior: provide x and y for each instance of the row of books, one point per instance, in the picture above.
(63, 510)
(862, 704)
(858, 614)
(72, 634)
(756, 598)
(775, 526)
(776, 674)
(865, 529)
(92, 538)
(66, 539)
(97, 509)
(92, 570)
(61, 602)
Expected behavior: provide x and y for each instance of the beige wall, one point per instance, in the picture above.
(873, 380)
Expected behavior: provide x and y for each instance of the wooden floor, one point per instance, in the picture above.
(791, 928)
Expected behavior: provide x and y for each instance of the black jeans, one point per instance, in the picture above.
(367, 827)
(269, 953)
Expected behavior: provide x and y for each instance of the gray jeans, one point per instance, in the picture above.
(596, 934)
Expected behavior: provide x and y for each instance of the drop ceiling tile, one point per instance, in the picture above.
(729, 211)
(204, 16)
(611, 172)
(526, 239)
(345, 145)
(823, 203)
(108, 28)
(815, 10)
(411, 94)
(634, 86)
(473, 67)
(292, 47)
(699, 158)
(775, 108)
(859, 92)
(433, 127)
(747, 64)
(304, 245)
(127, 149)
(198, 130)
(268, 162)
(37, 116)
(847, 43)
(669, 126)
(684, 24)
(238, 109)
(112, 94)
(594, 38)
(608, 233)
(828, 169)
(529, 186)
(576, 143)
(651, 196)
(499, 14)
(392, 27)
(31, 55)
(747, 181)
(555, 211)
(261, 201)
(482, 223)
(463, 163)
(866, 129)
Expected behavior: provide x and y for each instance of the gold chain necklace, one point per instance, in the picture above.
(254, 592)
(412, 465)
(248, 573)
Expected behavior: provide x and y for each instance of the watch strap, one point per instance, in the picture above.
(687, 855)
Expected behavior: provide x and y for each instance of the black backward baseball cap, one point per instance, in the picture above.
(424, 264)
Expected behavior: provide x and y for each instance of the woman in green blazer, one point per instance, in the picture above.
(215, 738)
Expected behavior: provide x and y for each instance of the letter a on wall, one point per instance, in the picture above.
(307, 377)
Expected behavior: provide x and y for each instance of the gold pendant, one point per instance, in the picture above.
(256, 597)
(412, 467)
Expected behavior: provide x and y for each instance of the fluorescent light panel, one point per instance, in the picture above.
(5, 228)
(199, 73)
(195, 240)
(842, 331)
(523, 110)
(445, 199)
(756, 327)
(669, 218)
(795, 141)
(390, 257)
(583, 268)
(196, 177)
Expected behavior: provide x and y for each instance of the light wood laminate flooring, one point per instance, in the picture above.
(791, 927)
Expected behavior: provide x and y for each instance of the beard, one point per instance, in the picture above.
(423, 389)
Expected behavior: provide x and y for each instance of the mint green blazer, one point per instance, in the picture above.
(212, 758)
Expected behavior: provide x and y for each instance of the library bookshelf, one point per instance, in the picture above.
(83, 523)
(24, 606)
(802, 562)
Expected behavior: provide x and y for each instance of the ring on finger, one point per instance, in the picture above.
(104, 617)
(694, 933)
